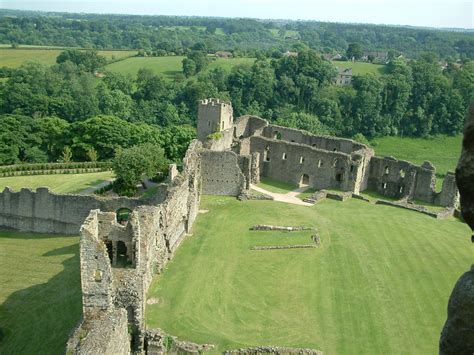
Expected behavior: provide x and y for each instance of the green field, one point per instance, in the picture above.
(59, 183)
(443, 151)
(379, 284)
(169, 66)
(14, 58)
(276, 186)
(359, 68)
(40, 293)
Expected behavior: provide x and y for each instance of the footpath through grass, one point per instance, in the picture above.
(59, 183)
(379, 283)
(40, 293)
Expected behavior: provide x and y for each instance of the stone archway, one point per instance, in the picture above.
(304, 181)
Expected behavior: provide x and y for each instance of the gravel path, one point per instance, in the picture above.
(289, 197)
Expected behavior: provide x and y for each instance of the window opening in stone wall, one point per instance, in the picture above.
(384, 186)
(402, 173)
(320, 163)
(301, 159)
(277, 135)
(335, 162)
(284, 156)
(401, 190)
(123, 215)
(387, 170)
(339, 177)
(110, 250)
(266, 154)
(209, 123)
(304, 181)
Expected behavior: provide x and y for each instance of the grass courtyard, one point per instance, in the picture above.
(59, 183)
(40, 293)
(379, 284)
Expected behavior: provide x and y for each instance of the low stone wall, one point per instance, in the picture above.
(266, 227)
(339, 196)
(158, 342)
(272, 350)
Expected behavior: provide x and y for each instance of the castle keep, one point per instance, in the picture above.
(119, 260)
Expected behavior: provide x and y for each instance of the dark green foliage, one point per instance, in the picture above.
(89, 60)
(354, 51)
(131, 164)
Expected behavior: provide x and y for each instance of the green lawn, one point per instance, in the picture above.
(170, 66)
(60, 183)
(359, 68)
(307, 193)
(13, 58)
(442, 151)
(379, 284)
(276, 186)
(40, 293)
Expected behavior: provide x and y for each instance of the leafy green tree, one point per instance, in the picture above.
(132, 164)
(92, 154)
(66, 156)
(89, 59)
(354, 50)
(189, 67)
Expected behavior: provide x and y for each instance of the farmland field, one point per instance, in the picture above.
(40, 293)
(359, 68)
(59, 183)
(169, 67)
(442, 151)
(380, 281)
(14, 58)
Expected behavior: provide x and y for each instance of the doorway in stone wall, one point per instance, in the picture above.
(304, 181)
(122, 258)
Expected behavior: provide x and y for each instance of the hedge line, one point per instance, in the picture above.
(55, 166)
(52, 172)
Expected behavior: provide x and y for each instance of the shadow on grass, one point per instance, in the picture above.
(171, 73)
(14, 234)
(39, 319)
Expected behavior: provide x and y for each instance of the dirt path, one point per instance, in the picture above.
(289, 197)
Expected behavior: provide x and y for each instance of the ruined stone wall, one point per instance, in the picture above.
(42, 211)
(222, 143)
(247, 126)
(343, 145)
(214, 115)
(153, 234)
(402, 179)
(221, 173)
(288, 162)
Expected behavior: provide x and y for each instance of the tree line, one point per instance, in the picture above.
(47, 108)
(168, 34)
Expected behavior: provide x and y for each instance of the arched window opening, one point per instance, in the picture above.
(301, 159)
(402, 173)
(387, 170)
(320, 163)
(123, 215)
(284, 156)
(266, 154)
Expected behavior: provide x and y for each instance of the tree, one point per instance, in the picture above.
(131, 164)
(89, 59)
(92, 154)
(66, 155)
(189, 67)
(354, 51)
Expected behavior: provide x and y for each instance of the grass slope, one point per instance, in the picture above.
(60, 183)
(359, 68)
(379, 283)
(14, 58)
(40, 293)
(442, 151)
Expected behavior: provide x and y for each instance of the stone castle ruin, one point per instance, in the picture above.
(118, 260)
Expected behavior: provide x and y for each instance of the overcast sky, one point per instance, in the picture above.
(432, 13)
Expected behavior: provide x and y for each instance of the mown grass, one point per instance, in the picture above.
(40, 293)
(276, 186)
(307, 193)
(359, 68)
(14, 58)
(379, 283)
(59, 183)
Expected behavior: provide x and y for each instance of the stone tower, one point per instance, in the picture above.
(214, 115)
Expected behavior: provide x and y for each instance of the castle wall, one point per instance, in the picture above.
(214, 116)
(247, 126)
(222, 173)
(334, 144)
(286, 161)
(154, 234)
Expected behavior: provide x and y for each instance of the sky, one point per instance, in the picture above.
(428, 13)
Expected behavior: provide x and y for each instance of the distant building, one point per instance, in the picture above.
(330, 56)
(223, 54)
(290, 54)
(378, 56)
(344, 77)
